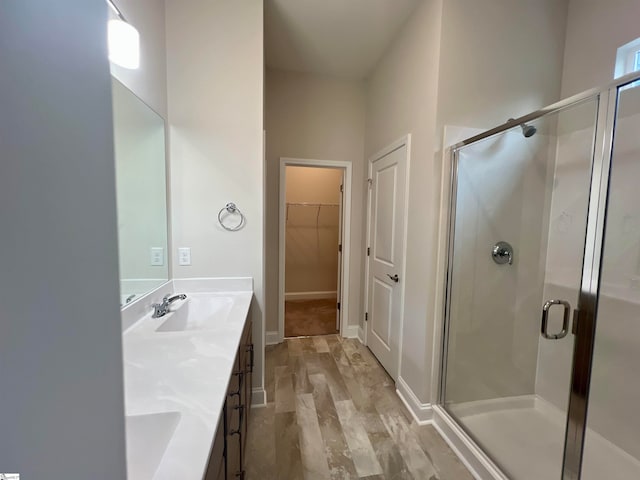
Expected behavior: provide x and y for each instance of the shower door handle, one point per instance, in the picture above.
(565, 319)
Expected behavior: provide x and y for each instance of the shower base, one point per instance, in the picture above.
(526, 435)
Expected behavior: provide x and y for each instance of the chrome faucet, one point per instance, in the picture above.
(161, 309)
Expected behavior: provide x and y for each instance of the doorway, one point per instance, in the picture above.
(314, 209)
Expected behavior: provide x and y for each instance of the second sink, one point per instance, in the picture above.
(147, 438)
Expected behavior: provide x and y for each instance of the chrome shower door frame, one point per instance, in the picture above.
(585, 326)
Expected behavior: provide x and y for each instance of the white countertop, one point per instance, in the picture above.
(186, 372)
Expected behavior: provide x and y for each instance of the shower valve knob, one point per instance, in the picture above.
(502, 253)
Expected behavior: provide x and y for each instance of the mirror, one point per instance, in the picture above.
(141, 189)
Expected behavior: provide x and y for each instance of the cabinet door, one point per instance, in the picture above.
(234, 418)
(247, 347)
(215, 469)
(233, 457)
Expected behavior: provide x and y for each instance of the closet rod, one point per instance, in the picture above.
(293, 204)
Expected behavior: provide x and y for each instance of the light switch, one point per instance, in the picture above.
(157, 256)
(184, 256)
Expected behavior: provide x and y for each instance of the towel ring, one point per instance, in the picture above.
(231, 209)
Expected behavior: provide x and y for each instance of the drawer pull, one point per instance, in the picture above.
(240, 376)
(251, 356)
(238, 431)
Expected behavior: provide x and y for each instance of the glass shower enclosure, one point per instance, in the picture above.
(542, 311)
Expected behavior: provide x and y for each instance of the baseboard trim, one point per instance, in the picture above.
(258, 397)
(421, 412)
(361, 335)
(310, 295)
(272, 338)
(350, 331)
(476, 461)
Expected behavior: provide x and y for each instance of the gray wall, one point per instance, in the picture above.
(61, 398)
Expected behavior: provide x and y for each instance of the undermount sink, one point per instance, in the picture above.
(197, 312)
(147, 438)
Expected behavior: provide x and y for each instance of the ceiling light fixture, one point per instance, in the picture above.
(124, 41)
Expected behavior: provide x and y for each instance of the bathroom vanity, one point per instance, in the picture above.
(188, 381)
(228, 452)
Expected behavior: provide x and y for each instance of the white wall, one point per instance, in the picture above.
(215, 93)
(401, 99)
(499, 59)
(149, 81)
(595, 30)
(62, 413)
(316, 117)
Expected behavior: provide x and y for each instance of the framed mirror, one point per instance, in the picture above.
(141, 189)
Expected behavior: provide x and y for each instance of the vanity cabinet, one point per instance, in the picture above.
(226, 461)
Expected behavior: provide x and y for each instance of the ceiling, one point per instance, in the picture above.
(344, 38)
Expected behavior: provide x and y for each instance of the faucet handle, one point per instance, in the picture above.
(157, 309)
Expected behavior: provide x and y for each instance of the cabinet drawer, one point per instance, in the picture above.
(234, 461)
(235, 418)
(236, 383)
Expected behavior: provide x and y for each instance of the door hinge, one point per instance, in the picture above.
(366, 317)
(340, 248)
(338, 305)
(341, 188)
(368, 251)
(370, 182)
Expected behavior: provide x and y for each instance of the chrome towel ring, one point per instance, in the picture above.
(228, 210)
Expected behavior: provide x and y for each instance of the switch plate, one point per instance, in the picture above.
(184, 256)
(157, 256)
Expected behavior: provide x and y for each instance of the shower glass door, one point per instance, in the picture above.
(612, 439)
(517, 241)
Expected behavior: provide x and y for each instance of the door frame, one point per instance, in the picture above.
(399, 143)
(346, 234)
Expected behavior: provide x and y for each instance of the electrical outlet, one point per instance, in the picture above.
(157, 256)
(184, 256)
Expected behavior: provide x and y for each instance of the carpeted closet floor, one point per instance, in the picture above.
(310, 317)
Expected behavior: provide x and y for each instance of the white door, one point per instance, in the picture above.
(339, 310)
(386, 256)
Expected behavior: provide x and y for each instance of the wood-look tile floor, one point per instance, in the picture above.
(333, 413)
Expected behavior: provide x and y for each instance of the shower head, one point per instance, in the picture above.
(527, 130)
